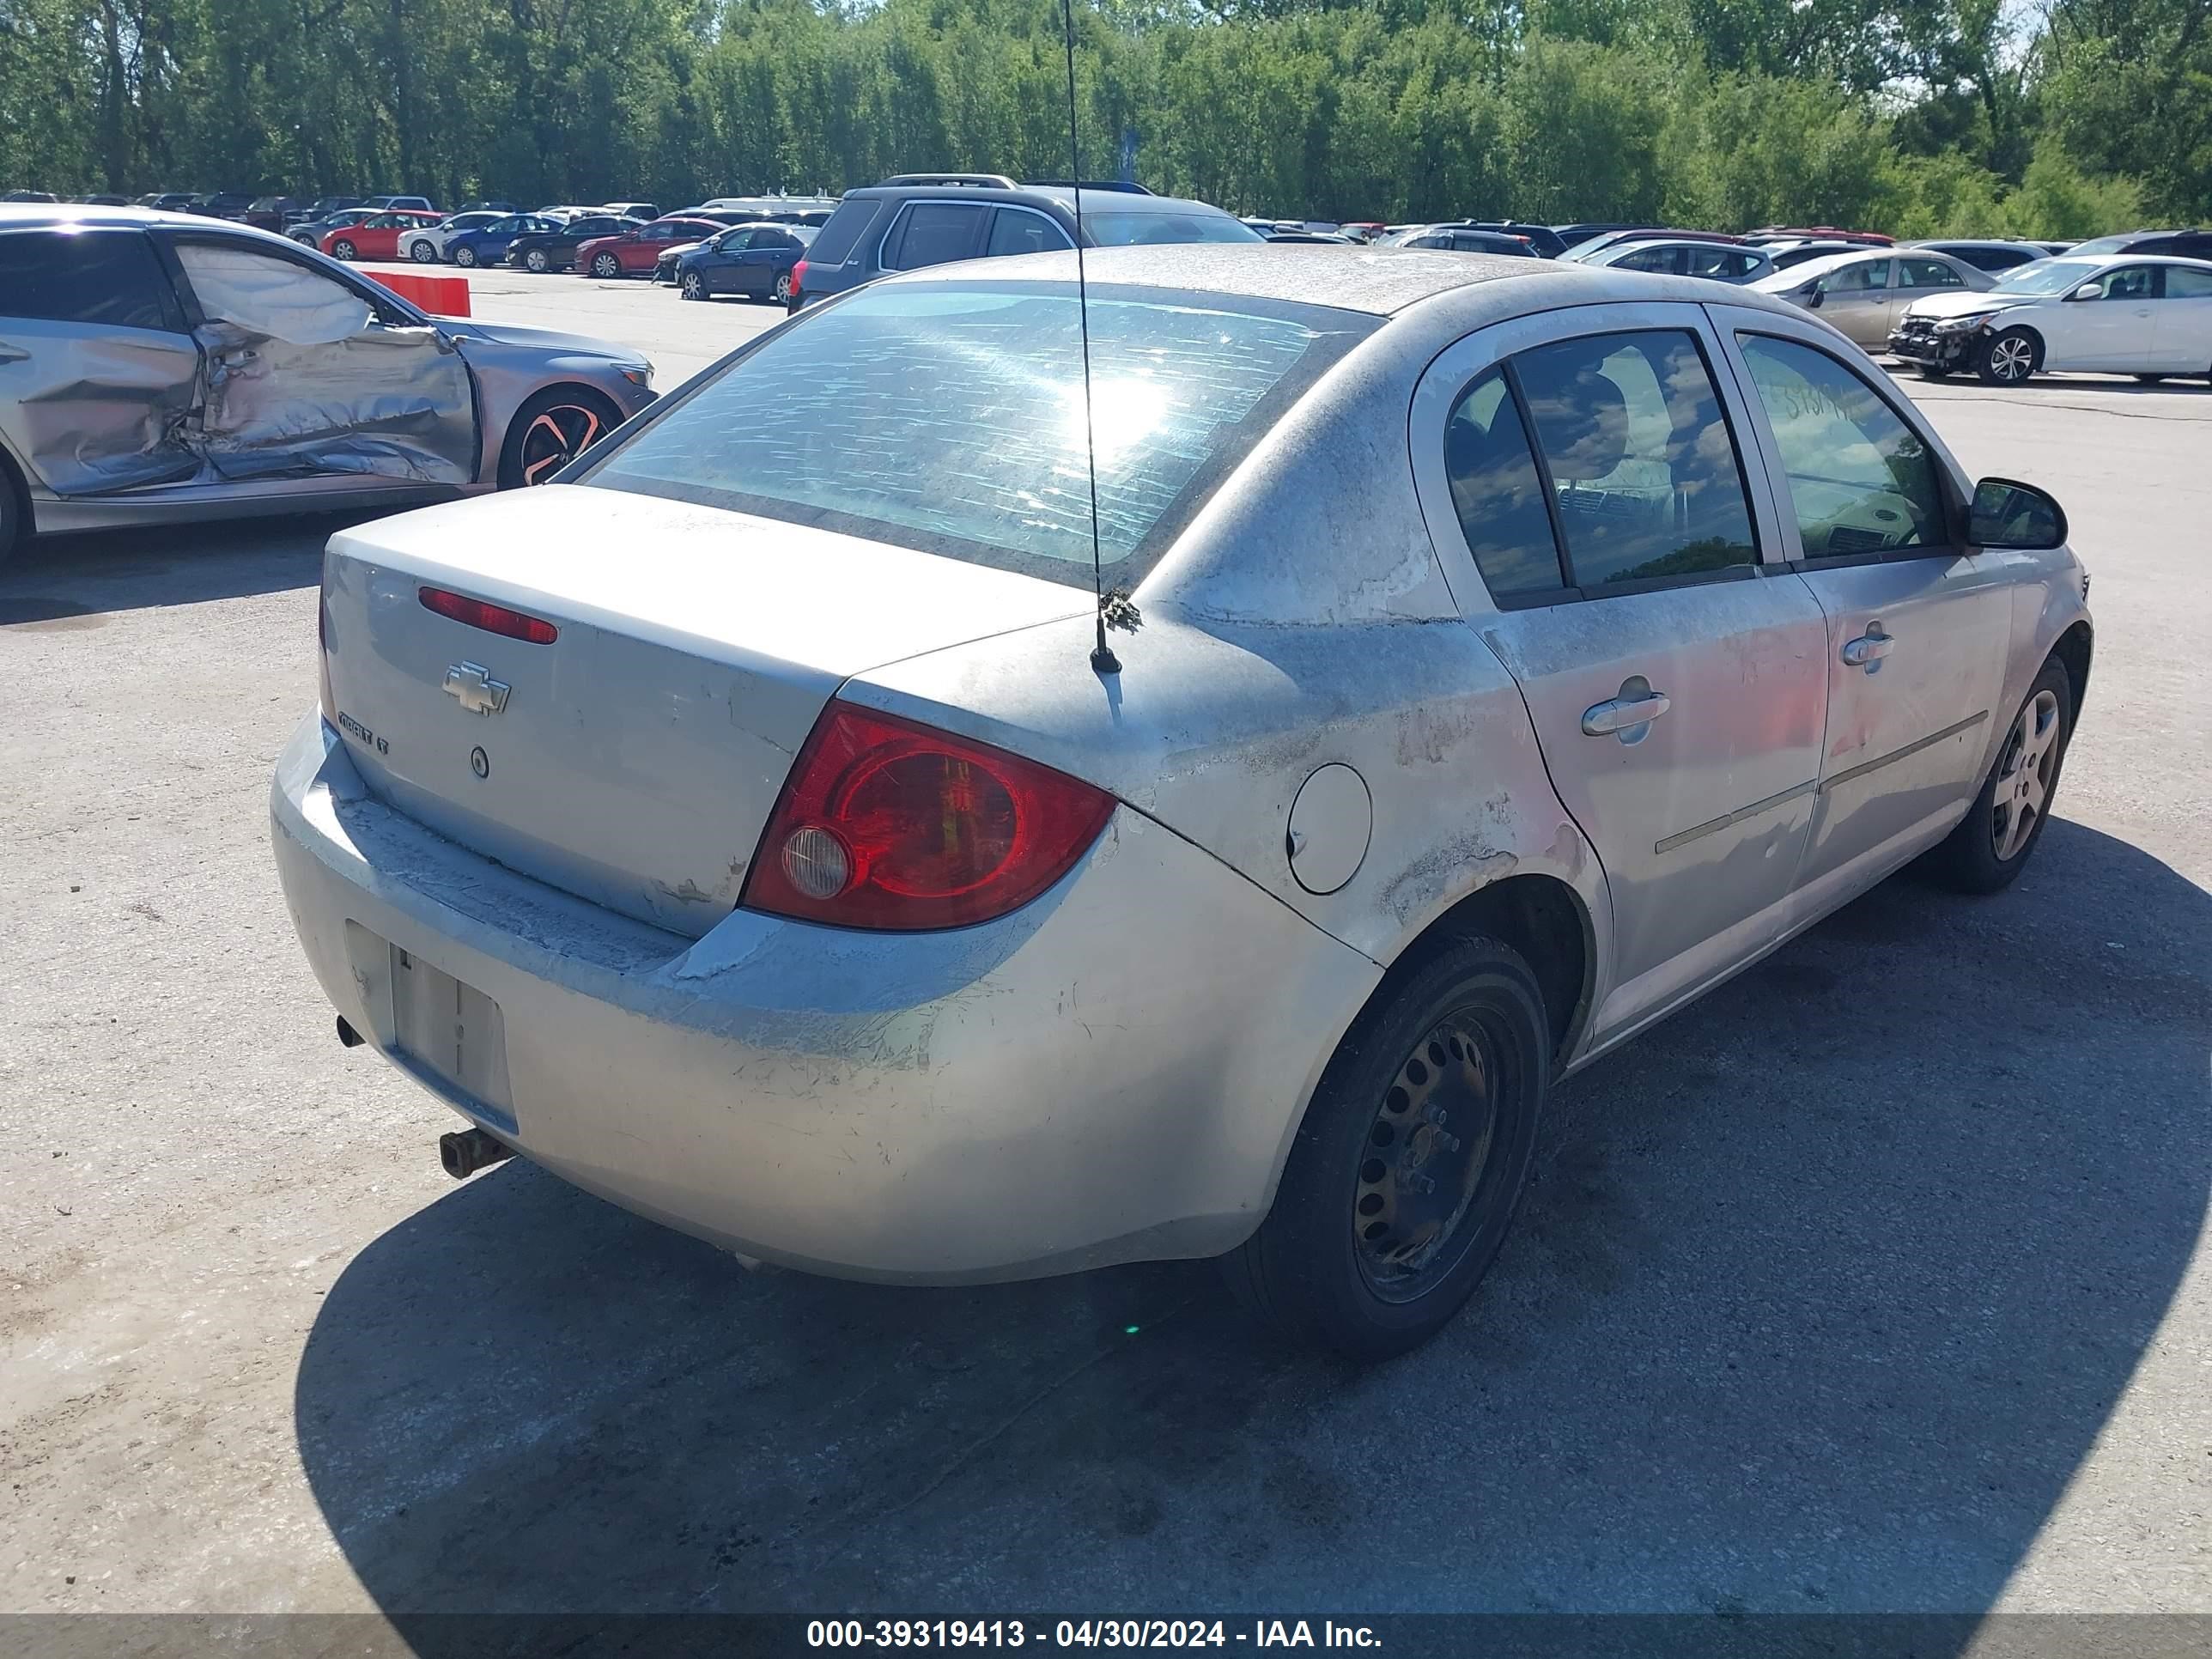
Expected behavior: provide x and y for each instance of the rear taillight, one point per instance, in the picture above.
(797, 279)
(885, 824)
(492, 618)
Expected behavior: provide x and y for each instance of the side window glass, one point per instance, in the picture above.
(2182, 283)
(1496, 493)
(936, 231)
(1861, 480)
(1927, 273)
(1857, 279)
(1013, 231)
(1650, 258)
(103, 278)
(273, 298)
(1643, 468)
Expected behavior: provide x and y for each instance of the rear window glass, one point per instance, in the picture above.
(949, 418)
(845, 227)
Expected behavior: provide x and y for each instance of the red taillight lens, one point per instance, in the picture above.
(492, 618)
(885, 824)
(798, 277)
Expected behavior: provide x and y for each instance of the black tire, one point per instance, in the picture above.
(532, 452)
(14, 519)
(465, 256)
(605, 265)
(1975, 857)
(1929, 372)
(2009, 358)
(341, 249)
(1467, 1029)
(693, 286)
(2150, 379)
(422, 252)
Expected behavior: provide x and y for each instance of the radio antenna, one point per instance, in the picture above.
(1102, 660)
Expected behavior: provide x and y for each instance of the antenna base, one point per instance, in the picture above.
(1102, 660)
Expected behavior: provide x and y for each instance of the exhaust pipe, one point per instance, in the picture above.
(467, 1150)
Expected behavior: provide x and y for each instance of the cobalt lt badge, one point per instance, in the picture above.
(479, 763)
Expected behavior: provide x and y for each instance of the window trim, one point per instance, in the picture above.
(1947, 475)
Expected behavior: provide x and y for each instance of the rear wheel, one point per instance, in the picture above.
(550, 431)
(14, 521)
(606, 264)
(341, 249)
(465, 256)
(1992, 843)
(422, 252)
(2008, 358)
(783, 288)
(1410, 1162)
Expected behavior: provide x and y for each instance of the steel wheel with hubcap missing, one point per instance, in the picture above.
(550, 431)
(2009, 359)
(1411, 1158)
(1992, 842)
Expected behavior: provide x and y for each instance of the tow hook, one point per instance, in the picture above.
(465, 1152)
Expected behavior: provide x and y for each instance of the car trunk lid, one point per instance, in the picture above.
(634, 758)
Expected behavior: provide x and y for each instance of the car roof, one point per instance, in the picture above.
(1828, 262)
(1098, 203)
(1377, 281)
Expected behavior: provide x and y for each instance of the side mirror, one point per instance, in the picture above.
(2008, 513)
(2087, 291)
(1813, 297)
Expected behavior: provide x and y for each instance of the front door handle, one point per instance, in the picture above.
(1605, 720)
(1869, 649)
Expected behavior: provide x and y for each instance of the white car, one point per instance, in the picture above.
(2116, 314)
(427, 246)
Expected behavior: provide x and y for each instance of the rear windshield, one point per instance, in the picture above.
(949, 418)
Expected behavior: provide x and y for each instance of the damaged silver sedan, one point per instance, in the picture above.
(160, 367)
(1500, 655)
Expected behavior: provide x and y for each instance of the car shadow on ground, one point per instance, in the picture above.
(58, 580)
(1825, 1291)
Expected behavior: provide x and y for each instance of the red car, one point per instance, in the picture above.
(634, 252)
(376, 237)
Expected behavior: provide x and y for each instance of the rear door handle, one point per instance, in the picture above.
(1869, 649)
(1604, 719)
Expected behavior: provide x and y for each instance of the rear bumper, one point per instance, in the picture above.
(1111, 1073)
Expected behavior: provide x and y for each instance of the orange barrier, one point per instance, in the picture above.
(441, 297)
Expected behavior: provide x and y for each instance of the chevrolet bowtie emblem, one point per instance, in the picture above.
(468, 684)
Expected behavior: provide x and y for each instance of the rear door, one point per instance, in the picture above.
(1024, 230)
(1918, 278)
(1855, 299)
(1672, 672)
(1917, 624)
(2184, 319)
(98, 374)
(309, 375)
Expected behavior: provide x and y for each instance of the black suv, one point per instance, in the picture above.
(2184, 244)
(921, 219)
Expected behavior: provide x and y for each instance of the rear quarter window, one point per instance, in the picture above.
(951, 418)
(847, 225)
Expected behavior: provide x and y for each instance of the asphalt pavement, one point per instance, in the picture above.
(1877, 1280)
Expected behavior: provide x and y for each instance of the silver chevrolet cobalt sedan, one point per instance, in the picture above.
(1501, 655)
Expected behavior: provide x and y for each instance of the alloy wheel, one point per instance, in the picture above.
(342, 249)
(424, 254)
(535, 259)
(783, 287)
(1427, 1156)
(2012, 358)
(606, 266)
(2025, 775)
(556, 437)
(694, 288)
(465, 258)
